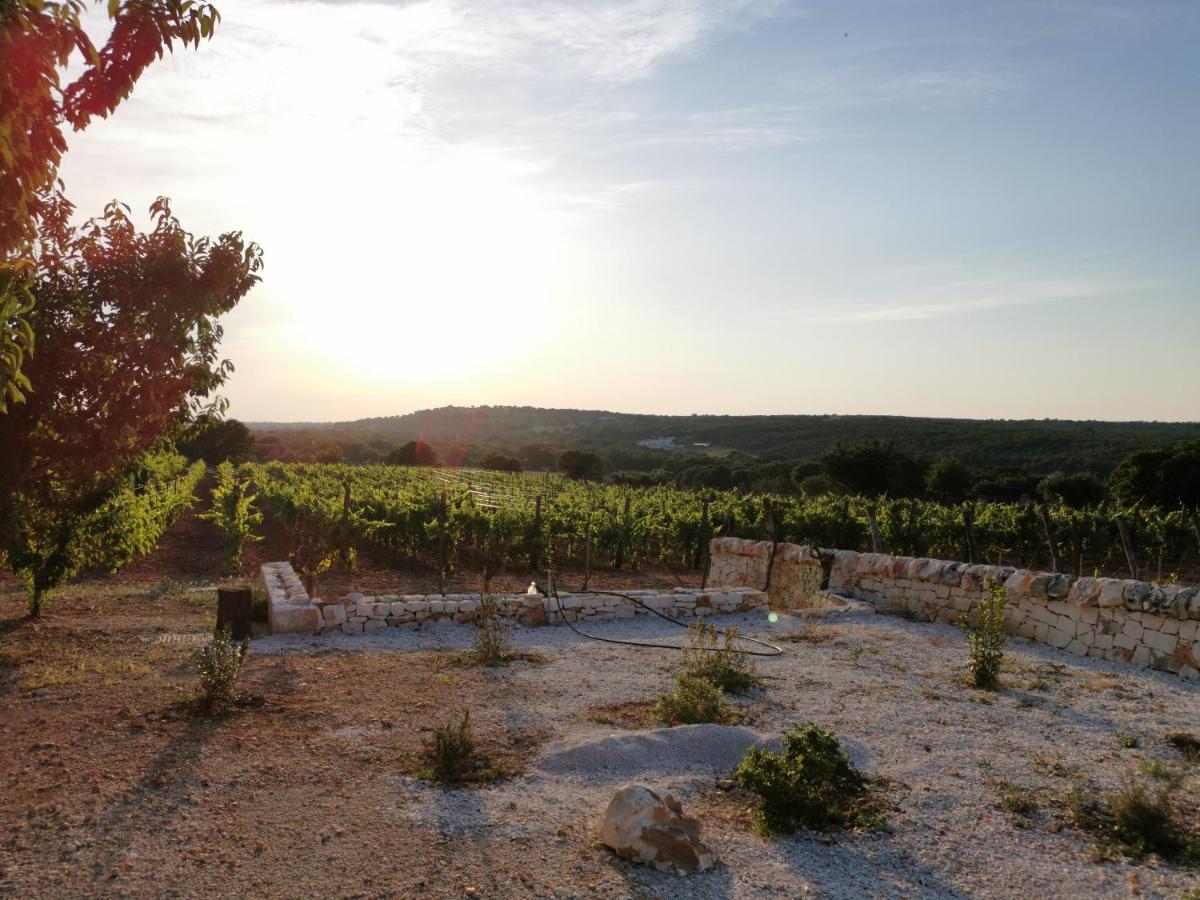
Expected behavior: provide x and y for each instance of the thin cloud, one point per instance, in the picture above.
(957, 298)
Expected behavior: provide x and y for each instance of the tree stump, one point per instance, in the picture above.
(233, 611)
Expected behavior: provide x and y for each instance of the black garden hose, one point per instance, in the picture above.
(772, 649)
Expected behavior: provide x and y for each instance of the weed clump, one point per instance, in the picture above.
(1136, 822)
(693, 701)
(451, 753)
(1188, 745)
(220, 662)
(491, 637)
(1018, 801)
(724, 666)
(1128, 740)
(812, 784)
(986, 637)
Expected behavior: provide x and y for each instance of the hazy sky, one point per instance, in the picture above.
(924, 208)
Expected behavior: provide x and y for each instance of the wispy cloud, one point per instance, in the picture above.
(944, 299)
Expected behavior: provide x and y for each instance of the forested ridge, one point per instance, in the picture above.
(1040, 445)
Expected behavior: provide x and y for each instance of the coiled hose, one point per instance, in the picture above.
(770, 649)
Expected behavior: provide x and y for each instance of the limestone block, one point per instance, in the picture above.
(1156, 640)
(352, 628)
(1134, 593)
(1112, 593)
(650, 828)
(375, 624)
(284, 618)
(333, 614)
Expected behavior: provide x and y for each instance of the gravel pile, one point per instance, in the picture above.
(686, 749)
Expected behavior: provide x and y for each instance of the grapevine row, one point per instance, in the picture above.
(500, 519)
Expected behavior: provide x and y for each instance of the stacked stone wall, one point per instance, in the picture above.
(357, 613)
(1149, 625)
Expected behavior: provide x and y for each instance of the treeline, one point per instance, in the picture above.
(1036, 445)
(1166, 476)
(1163, 476)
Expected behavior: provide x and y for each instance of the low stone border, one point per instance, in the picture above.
(292, 611)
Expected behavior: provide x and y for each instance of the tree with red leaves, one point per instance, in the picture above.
(127, 356)
(38, 39)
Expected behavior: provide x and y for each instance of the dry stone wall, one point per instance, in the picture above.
(289, 608)
(1150, 625)
(358, 613)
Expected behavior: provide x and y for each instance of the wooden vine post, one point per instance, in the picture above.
(587, 548)
(1127, 546)
(876, 543)
(1050, 542)
(969, 527)
(623, 534)
(443, 560)
(535, 551)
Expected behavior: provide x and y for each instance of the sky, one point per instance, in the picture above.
(956, 208)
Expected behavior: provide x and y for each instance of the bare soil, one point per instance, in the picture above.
(113, 784)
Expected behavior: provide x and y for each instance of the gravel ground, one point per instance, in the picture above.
(891, 689)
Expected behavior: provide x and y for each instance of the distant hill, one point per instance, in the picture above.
(1036, 445)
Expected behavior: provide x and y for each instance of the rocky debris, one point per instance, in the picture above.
(646, 827)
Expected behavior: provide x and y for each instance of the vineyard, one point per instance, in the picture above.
(128, 523)
(450, 518)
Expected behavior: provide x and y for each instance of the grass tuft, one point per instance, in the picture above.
(693, 701)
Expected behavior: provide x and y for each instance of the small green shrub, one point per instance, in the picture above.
(812, 784)
(220, 662)
(725, 667)
(1188, 745)
(1156, 768)
(451, 753)
(1128, 740)
(1017, 800)
(693, 701)
(1135, 822)
(491, 637)
(986, 637)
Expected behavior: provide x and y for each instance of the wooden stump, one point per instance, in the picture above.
(233, 611)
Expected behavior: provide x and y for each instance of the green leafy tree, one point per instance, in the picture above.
(414, 453)
(949, 480)
(498, 462)
(1164, 476)
(581, 465)
(874, 468)
(1078, 490)
(217, 440)
(38, 40)
(128, 355)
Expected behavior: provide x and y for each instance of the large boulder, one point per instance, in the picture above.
(646, 827)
